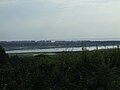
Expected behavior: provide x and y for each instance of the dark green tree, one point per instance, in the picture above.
(3, 56)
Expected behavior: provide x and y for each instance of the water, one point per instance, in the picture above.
(58, 49)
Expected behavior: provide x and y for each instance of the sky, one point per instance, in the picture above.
(59, 19)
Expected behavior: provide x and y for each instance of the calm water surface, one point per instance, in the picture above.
(59, 49)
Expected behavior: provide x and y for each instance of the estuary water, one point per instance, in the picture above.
(52, 50)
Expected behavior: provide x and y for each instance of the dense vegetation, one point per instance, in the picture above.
(86, 70)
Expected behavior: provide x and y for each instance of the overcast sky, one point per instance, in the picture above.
(59, 19)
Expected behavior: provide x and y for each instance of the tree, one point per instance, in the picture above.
(3, 56)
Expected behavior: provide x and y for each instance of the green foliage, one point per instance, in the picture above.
(86, 70)
(3, 56)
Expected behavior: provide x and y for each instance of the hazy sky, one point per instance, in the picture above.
(59, 19)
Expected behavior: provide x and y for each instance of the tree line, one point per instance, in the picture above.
(10, 45)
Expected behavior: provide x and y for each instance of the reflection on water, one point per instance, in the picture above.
(59, 49)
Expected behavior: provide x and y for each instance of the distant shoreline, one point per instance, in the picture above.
(48, 44)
